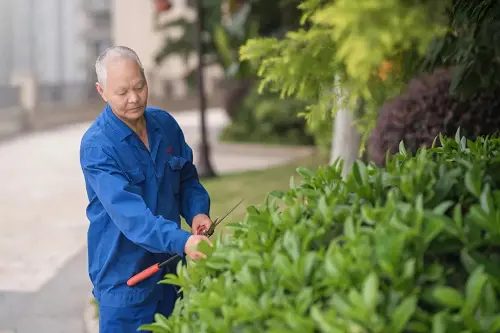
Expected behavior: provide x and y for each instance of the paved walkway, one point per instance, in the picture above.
(43, 277)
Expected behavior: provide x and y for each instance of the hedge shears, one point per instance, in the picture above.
(146, 273)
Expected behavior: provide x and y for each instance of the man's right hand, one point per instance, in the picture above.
(192, 243)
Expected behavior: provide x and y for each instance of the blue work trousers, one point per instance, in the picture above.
(129, 319)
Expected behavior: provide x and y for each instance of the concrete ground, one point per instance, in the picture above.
(44, 284)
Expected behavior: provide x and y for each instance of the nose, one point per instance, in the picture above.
(133, 98)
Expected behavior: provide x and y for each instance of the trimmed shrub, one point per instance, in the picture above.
(426, 109)
(413, 247)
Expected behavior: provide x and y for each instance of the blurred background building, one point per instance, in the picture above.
(49, 43)
(49, 48)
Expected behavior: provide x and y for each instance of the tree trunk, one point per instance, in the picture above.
(346, 140)
(204, 165)
(235, 91)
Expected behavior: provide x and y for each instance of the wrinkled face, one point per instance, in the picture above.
(126, 89)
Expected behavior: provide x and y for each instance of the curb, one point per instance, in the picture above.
(90, 320)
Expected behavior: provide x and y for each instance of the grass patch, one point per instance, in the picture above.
(252, 186)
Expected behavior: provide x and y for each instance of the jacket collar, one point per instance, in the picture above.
(122, 130)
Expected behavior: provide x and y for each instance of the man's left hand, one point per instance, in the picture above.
(201, 223)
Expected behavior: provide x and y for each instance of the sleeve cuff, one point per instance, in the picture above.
(199, 209)
(181, 237)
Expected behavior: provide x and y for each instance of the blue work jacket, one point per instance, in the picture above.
(136, 197)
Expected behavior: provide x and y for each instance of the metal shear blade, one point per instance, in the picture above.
(219, 220)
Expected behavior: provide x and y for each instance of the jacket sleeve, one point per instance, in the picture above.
(194, 197)
(126, 208)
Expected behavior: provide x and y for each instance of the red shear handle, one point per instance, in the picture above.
(143, 275)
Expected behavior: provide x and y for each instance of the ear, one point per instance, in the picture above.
(100, 90)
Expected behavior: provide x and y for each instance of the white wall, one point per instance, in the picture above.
(147, 42)
(59, 40)
(5, 42)
(44, 37)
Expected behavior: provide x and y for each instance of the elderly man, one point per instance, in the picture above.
(140, 179)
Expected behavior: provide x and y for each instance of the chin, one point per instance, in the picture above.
(136, 113)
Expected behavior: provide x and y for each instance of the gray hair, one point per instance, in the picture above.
(112, 52)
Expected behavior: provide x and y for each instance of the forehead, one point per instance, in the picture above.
(122, 71)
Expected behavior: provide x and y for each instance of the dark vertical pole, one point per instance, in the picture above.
(60, 43)
(204, 165)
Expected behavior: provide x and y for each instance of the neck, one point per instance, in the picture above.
(138, 125)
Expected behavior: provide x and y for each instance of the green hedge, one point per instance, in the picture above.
(413, 247)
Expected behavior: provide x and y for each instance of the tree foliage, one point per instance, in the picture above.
(471, 46)
(371, 49)
(366, 48)
(225, 32)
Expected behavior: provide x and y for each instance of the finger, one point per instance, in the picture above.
(197, 255)
(200, 229)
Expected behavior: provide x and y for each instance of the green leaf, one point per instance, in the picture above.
(277, 194)
(486, 200)
(457, 217)
(370, 291)
(474, 288)
(457, 135)
(474, 259)
(489, 304)
(324, 209)
(154, 328)
(434, 225)
(304, 300)
(473, 181)
(448, 296)
(161, 320)
(283, 264)
(443, 207)
(402, 314)
(349, 228)
(402, 149)
(305, 172)
(291, 244)
(360, 173)
(173, 279)
(252, 210)
(494, 325)
(223, 44)
(323, 321)
(369, 214)
(205, 248)
(409, 269)
(439, 323)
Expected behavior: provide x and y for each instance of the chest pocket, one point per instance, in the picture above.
(136, 178)
(173, 172)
